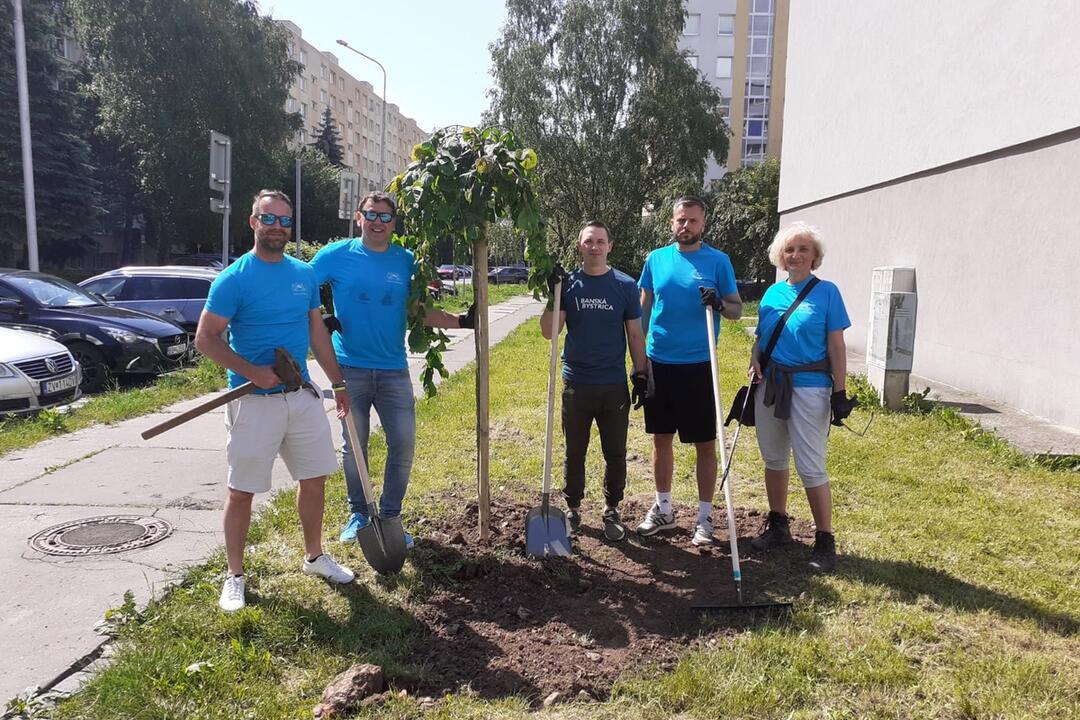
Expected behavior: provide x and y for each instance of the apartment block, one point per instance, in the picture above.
(740, 48)
(357, 110)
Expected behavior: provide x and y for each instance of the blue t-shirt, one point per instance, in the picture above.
(677, 321)
(267, 305)
(371, 291)
(804, 337)
(597, 308)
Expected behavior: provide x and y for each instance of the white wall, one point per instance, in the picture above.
(879, 89)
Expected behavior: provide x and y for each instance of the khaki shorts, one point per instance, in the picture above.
(805, 434)
(261, 427)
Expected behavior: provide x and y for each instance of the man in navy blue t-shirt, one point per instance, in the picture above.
(602, 312)
(674, 285)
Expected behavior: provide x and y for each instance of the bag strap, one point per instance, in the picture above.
(767, 355)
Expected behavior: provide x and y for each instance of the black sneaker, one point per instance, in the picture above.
(574, 516)
(614, 530)
(777, 532)
(823, 556)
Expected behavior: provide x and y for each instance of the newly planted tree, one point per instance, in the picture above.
(461, 180)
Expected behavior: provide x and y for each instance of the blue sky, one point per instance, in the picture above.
(435, 51)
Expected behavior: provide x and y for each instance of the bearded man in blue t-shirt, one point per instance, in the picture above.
(371, 279)
(601, 310)
(676, 282)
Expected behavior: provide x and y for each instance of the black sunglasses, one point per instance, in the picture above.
(270, 218)
(370, 216)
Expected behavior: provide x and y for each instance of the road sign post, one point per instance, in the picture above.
(221, 181)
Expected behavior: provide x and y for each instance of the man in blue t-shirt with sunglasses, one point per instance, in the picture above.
(371, 280)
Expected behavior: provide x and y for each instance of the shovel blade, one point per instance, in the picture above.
(383, 543)
(546, 533)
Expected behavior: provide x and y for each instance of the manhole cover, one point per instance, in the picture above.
(101, 535)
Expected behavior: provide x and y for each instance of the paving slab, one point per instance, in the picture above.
(51, 604)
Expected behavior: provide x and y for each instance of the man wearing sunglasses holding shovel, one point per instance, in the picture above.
(675, 282)
(371, 281)
(268, 300)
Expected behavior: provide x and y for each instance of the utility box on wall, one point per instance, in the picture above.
(890, 342)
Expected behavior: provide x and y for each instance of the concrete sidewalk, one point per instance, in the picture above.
(51, 603)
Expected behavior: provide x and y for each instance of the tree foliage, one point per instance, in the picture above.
(744, 218)
(460, 181)
(600, 89)
(319, 183)
(66, 192)
(165, 74)
(328, 141)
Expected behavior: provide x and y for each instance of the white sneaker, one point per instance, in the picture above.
(232, 594)
(656, 521)
(703, 533)
(326, 567)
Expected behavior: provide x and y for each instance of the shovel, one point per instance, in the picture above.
(382, 540)
(725, 461)
(546, 528)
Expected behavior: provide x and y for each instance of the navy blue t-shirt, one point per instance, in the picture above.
(597, 308)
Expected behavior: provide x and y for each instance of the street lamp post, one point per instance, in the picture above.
(382, 140)
(24, 133)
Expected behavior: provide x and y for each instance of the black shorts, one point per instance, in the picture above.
(682, 402)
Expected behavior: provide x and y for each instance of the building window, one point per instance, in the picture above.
(290, 105)
(723, 67)
(333, 78)
(725, 25)
(325, 72)
(341, 83)
(692, 61)
(693, 24)
(322, 96)
(303, 83)
(303, 109)
(755, 128)
(303, 56)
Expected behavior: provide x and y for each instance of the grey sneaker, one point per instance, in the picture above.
(614, 530)
(777, 532)
(573, 516)
(655, 521)
(703, 533)
(232, 594)
(823, 556)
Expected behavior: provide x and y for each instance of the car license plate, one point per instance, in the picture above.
(175, 350)
(51, 387)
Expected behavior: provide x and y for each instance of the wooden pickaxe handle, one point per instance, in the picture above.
(198, 410)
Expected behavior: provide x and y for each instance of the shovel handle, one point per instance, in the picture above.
(198, 410)
(358, 458)
(549, 430)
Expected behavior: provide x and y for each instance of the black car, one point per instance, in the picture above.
(105, 340)
(509, 274)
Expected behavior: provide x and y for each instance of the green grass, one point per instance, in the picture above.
(957, 597)
(111, 406)
(496, 294)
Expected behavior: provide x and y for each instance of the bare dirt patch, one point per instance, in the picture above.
(500, 624)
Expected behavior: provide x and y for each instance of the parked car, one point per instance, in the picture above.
(439, 288)
(509, 274)
(454, 272)
(35, 372)
(104, 340)
(208, 260)
(176, 293)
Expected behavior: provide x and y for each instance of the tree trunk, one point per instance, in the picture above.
(480, 289)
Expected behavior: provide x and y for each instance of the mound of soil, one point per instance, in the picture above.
(497, 624)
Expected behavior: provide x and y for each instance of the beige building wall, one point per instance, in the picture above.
(948, 144)
(357, 110)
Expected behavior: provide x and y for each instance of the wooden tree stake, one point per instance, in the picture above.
(483, 371)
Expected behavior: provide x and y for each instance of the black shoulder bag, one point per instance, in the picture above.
(742, 406)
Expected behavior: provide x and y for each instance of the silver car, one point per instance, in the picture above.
(173, 292)
(35, 372)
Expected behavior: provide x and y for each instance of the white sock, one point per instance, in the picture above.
(663, 499)
(703, 511)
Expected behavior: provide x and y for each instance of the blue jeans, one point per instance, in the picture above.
(391, 392)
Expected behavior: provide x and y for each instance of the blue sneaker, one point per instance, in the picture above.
(356, 523)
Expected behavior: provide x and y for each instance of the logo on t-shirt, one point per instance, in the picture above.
(599, 303)
(299, 288)
(394, 277)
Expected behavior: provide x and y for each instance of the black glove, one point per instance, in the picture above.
(468, 320)
(640, 390)
(709, 298)
(557, 275)
(842, 406)
(332, 324)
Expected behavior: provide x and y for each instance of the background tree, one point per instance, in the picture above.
(165, 74)
(319, 184)
(328, 141)
(744, 218)
(600, 89)
(66, 191)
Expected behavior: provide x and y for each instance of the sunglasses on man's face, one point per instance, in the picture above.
(270, 218)
(370, 216)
